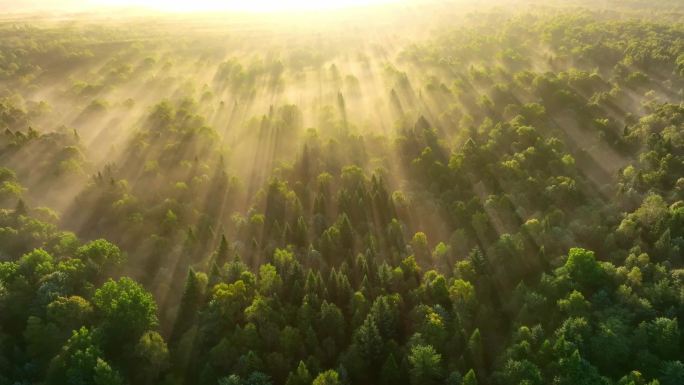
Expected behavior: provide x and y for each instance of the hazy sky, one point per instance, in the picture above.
(182, 6)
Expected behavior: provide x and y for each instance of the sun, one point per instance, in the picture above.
(246, 5)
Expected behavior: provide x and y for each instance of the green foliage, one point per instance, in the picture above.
(127, 311)
(425, 365)
(583, 268)
(299, 377)
(499, 202)
(329, 377)
(80, 362)
(101, 255)
(469, 378)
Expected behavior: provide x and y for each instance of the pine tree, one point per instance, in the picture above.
(299, 377)
(470, 378)
(369, 342)
(222, 252)
(191, 301)
(390, 373)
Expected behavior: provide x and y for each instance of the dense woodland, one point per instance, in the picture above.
(446, 195)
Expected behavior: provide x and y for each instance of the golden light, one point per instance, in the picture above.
(246, 5)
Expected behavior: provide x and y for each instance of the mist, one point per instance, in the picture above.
(426, 174)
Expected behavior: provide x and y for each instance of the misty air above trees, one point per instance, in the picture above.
(449, 193)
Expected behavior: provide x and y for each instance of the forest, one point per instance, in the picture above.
(425, 193)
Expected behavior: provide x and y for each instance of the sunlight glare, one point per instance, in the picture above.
(246, 6)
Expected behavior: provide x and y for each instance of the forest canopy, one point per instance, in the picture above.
(452, 192)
